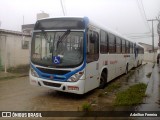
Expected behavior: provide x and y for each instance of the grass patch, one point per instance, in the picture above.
(132, 96)
(149, 75)
(110, 88)
(8, 77)
(113, 86)
(19, 69)
(86, 107)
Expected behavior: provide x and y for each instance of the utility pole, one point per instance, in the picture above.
(152, 20)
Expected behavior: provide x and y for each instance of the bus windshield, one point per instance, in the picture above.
(67, 46)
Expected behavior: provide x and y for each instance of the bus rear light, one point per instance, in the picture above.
(73, 88)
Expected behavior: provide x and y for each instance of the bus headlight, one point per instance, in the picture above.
(75, 77)
(34, 73)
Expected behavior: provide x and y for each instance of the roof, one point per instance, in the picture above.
(13, 32)
(149, 46)
(27, 26)
(94, 24)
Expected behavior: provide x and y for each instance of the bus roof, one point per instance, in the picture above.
(91, 22)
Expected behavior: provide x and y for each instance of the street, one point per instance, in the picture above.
(18, 95)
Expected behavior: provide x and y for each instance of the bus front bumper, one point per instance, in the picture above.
(70, 87)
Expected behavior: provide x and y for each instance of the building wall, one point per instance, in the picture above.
(150, 57)
(14, 55)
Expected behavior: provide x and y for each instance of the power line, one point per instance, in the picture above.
(142, 13)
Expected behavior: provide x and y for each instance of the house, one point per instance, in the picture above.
(149, 55)
(148, 48)
(14, 48)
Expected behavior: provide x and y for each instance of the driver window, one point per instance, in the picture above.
(92, 46)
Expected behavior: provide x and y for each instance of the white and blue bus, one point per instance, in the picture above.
(75, 55)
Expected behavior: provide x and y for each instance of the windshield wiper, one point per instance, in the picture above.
(63, 37)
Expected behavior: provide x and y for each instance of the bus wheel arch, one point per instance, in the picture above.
(103, 78)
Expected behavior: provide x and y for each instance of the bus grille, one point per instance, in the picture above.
(52, 71)
(51, 84)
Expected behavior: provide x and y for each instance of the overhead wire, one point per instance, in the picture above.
(142, 13)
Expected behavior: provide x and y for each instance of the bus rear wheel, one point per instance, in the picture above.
(126, 72)
(103, 81)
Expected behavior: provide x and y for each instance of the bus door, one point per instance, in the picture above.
(92, 66)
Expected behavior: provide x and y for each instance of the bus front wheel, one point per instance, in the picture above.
(103, 81)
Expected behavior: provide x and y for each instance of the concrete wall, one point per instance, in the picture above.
(150, 57)
(14, 55)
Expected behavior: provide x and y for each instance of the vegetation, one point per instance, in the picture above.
(110, 88)
(15, 72)
(131, 96)
(86, 107)
(8, 77)
(19, 69)
(113, 86)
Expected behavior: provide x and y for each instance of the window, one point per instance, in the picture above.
(127, 47)
(131, 47)
(123, 46)
(92, 46)
(112, 45)
(25, 44)
(118, 45)
(103, 43)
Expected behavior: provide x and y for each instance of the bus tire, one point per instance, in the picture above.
(138, 63)
(103, 80)
(126, 72)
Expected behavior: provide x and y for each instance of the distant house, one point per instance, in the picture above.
(149, 55)
(148, 48)
(15, 45)
(14, 48)
(27, 28)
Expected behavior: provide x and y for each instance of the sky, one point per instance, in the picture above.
(128, 17)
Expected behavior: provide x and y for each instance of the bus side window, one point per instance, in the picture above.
(118, 45)
(112, 43)
(126, 51)
(92, 46)
(123, 46)
(131, 49)
(103, 42)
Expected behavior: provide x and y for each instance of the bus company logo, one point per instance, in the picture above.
(6, 114)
